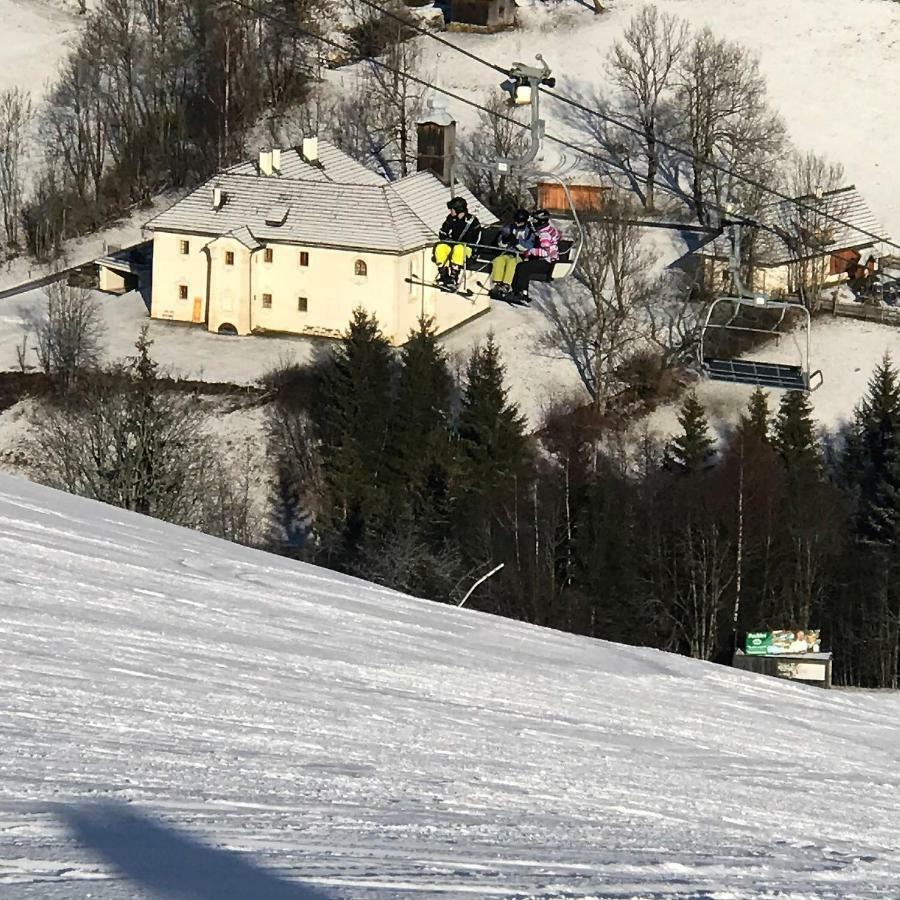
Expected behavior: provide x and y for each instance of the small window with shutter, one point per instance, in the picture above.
(267, 301)
(184, 247)
(304, 258)
(360, 269)
(182, 292)
(229, 257)
(302, 304)
(267, 255)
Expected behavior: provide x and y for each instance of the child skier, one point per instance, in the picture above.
(539, 260)
(460, 230)
(516, 238)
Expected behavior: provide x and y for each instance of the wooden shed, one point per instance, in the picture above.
(491, 15)
(587, 197)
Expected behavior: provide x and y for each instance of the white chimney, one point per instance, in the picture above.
(276, 160)
(310, 149)
(218, 198)
(265, 162)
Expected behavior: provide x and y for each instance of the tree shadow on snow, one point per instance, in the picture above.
(171, 863)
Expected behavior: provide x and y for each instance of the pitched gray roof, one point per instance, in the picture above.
(808, 228)
(334, 166)
(377, 215)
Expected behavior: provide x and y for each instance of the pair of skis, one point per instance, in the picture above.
(462, 291)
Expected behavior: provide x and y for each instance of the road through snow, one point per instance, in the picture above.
(272, 723)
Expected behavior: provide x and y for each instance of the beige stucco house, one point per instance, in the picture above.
(296, 240)
(801, 244)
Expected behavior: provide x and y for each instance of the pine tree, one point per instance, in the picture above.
(352, 413)
(794, 438)
(693, 450)
(870, 466)
(757, 417)
(491, 429)
(420, 428)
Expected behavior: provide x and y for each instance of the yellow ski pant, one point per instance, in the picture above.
(503, 268)
(457, 254)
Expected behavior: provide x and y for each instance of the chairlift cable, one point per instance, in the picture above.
(415, 79)
(681, 151)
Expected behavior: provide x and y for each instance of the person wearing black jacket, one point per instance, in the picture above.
(460, 230)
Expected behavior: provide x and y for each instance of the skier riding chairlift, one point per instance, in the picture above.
(539, 260)
(516, 238)
(460, 230)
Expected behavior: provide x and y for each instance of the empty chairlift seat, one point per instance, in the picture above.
(761, 374)
(735, 369)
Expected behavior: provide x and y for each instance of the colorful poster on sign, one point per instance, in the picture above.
(772, 643)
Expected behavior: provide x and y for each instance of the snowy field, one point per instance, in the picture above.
(35, 40)
(186, 718)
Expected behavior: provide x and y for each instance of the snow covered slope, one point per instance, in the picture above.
(219, 723)
(35, 40)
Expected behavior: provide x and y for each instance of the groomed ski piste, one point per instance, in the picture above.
(183, 717)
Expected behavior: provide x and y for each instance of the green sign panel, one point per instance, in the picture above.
(771, 643)
(758, 643)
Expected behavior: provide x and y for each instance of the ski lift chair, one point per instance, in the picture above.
(732, 368)
(778, 376)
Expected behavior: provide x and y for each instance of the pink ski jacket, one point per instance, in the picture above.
(548, 244)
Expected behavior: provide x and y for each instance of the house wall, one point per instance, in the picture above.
(230, 286)
(769, 279)
(329, 283)
(171, 269)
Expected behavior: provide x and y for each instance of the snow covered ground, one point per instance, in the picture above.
(187, 718)
(35, 40)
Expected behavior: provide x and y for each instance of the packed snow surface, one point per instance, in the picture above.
(182, 717)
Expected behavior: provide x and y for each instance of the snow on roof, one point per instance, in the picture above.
(809, 227)
(332, 165)
(373, 214)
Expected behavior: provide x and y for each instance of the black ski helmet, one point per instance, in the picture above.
(520, 217)
(540, 218)
(458, 205)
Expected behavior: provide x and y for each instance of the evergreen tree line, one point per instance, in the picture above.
(391, 468)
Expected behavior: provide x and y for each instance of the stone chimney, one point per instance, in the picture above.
(276, 160)
(436, 142)
(265, 162)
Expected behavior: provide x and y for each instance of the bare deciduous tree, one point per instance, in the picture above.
(807, 227)
(721, 99)
(15, 118)
(642, 65)
(69, 334)
(597, 328)
(126, 438)
(497, 137)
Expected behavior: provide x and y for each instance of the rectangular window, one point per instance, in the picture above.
(267, 254)
(267, 301)
(184, 247)
(302, 304)
(229, 258)
(304, 258)
(182, 292)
